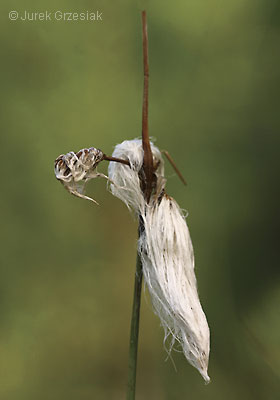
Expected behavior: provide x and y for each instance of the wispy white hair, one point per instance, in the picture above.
(166, 252)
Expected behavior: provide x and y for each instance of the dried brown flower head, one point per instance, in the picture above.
(72, 169)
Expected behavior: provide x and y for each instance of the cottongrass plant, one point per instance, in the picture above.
(166, 252)
(164, 245)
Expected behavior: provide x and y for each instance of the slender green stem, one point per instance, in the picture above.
(134, 331)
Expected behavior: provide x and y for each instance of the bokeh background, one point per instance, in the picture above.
(67, 266)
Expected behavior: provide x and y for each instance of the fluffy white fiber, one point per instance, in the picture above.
(166, 251)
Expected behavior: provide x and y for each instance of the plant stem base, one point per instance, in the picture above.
(134, 331)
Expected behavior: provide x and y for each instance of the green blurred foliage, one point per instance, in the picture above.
(67, 265)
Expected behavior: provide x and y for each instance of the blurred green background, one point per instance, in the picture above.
(67, 266)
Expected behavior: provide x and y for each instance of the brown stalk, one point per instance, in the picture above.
(119, 160)
(148, 167)
(147, 179)
(172, 162)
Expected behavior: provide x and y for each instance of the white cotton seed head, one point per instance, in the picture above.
(168, 267)
(72, 168)
(166, 252)
(126, 180)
